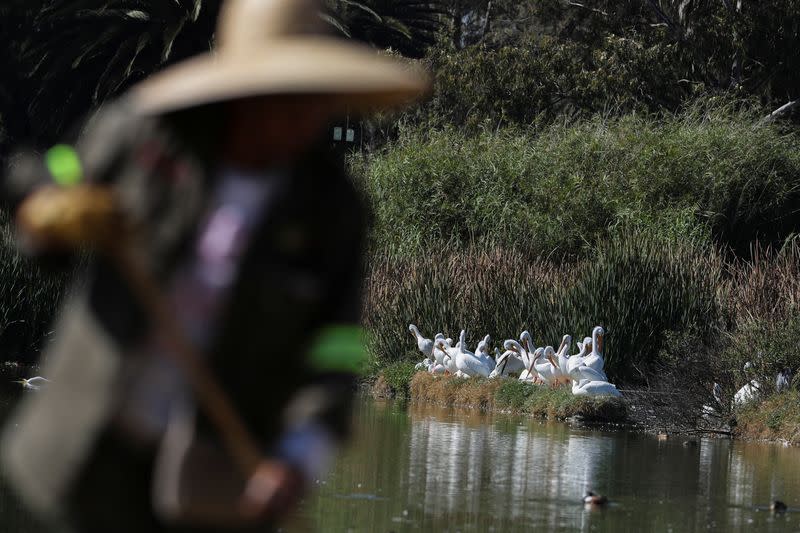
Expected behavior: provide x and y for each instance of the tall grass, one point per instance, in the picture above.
(29, 299)
(637, 287)
(559, 189)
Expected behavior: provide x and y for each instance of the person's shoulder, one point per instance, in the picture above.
(113, 127)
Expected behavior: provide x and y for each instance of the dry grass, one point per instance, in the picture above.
(451, 391)
(777, 418)
(513, 396)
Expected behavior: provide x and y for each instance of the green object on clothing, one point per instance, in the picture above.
(64, 164)
(338, 348)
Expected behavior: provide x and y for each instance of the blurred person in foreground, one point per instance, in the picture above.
(210, 174)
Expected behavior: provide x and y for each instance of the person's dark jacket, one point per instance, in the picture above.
(300, 277)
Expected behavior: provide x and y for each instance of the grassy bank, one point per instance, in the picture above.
(676, 233)
(777, 418)
(508, 396)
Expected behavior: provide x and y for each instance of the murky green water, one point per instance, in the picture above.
(431, 469)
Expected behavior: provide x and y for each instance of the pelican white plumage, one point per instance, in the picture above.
(467, 362)
(482, 352)
(595, 358)
(586, 387)
(585, 373)
(583, 350)
(425, 345)
(437, 368)
(544, 364)
(747, 394)
(425, 364)
(507, 363)
(562, 361)
(438, 353)
(449, 358)
(526, 341)
(523, 356)
(34, 383)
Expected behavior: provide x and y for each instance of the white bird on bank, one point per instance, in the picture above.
(543, 362)
(438, 353)
(584, 348)
(467, 362)
(425, 364)
(507, 363)
(586, 387)
(425, 345)
(747, 394)
(527, 342)
(450, 353)
(34, 383)
(482, 352)
(524, 358)
(562, 360)
(595, 359)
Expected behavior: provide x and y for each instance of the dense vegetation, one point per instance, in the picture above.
(560, 188)
(628, 163)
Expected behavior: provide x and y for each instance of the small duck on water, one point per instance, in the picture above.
(778, 506)
(594, 500)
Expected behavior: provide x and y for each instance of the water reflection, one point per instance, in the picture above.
(448, 470)
(431, 469)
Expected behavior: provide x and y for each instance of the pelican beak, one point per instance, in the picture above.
(554, 363)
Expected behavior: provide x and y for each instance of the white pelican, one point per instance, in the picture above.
(562, 361)
(526, 341)
(525, 359)
(437, 368)
(425, 345)
(585, 387)
(467, 362)
(583, 350)
(449, 358)
(585, 373)
(544, 364)
(595, 359)
(507, 363)
(747, 394)
(438, 353)
(424, 365)
(34, 383)
(482, 351)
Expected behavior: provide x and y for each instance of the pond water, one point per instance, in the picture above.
(425, 468)
(412, 468)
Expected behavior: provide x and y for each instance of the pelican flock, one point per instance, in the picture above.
(583, 372)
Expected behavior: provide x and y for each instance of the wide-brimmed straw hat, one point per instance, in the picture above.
(280, 47)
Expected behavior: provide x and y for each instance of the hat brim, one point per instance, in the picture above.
(354, 75)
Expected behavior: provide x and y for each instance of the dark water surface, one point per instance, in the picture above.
(432, 469)
(421, 468)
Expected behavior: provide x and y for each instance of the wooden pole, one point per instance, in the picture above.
(210, 396)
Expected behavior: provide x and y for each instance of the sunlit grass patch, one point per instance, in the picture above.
(513, 396)
(778, 417)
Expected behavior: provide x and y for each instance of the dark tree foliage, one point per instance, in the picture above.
(70, 56)
(542, 60)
